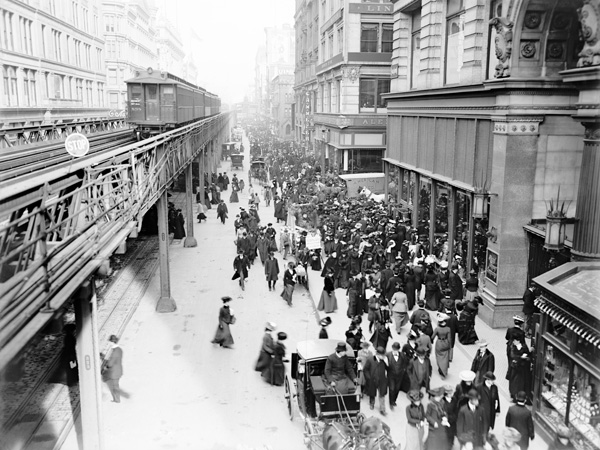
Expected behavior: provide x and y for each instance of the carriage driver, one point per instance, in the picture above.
(338, 371)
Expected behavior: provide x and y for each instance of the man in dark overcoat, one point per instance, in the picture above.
(338, 370)
(483, 362)
(520, 418)
(455, 283)
(472, 421)
(271, 270)
(397, 365)
(452, 323)
(488, 398)
(240, 266)
(376, 379)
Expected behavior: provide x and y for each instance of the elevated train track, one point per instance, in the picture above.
(58, 225)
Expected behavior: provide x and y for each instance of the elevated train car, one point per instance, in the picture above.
(160, 101)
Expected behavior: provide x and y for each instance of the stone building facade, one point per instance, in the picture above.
(282, 97)
(351, 44)
(52, 61)
(495, 101)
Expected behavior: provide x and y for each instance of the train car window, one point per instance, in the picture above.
(135, 100)
(152, 91)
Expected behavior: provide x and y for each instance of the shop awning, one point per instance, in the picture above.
(577, 326)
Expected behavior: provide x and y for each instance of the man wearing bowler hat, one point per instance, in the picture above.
(338, 370)
(520, 418)
(472, 420)
(488, 398)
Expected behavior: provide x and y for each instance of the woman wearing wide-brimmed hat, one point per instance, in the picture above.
(442, 339)
(416, 424)
(275, 373)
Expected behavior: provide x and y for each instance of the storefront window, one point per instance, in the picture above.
(480, 242)
(361, 161)
(555, 386)
(579, 403)
(462, 234)
(424, 213)
(393, 181)
(440, 245)
(411, 187)
(584, 413)
(560, 332)
(587, 351)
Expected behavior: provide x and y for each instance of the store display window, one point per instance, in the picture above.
(587, 351)
(570, 392)
(561, 332)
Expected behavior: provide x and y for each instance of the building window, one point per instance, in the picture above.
(75, 12)
(29, 87)
(493, 61)
(11, 97)
(88, 92)
(338, 90)
(6, 39)
(340, 39)
(113, 100)
(101, 94)
(26, 36)
(455, 36)
(58, 86)
(376, 37)
(109, 23)
(79, 88)
(56, 37)
(369, 37)
(415, 49)
(112, 77)
(44, 41)
(99, 64)
(77, 52)
(370, 94)
(52, 7)
(330, 45)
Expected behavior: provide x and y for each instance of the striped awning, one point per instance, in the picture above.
(577, 326)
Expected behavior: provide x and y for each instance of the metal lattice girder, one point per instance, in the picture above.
(57, 228)
(26, 135)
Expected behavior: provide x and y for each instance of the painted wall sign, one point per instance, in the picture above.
(491, 266)
(371, 8)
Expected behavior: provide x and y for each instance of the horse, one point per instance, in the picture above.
(372, 434)
(363, 190)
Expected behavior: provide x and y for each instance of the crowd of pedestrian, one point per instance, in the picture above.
(387, 272)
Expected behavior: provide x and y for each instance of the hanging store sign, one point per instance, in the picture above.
(77, 145)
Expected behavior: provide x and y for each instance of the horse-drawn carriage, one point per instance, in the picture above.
(237, 161)
(258, 170)
(331, 420)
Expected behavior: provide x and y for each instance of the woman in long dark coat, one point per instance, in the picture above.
(223, 335)
(437, 418)
(409, 289)
(328, 300)
(353, 297)
(275, 373)
(442, 338)
(267, 348)
(431, 290)
(519, 369)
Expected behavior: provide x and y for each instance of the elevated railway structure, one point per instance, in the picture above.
(11, 137)
(60, 223)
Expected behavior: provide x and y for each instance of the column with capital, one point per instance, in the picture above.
(586, 236)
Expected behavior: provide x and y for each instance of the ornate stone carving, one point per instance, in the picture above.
(589, 16)
(592, 130)
(528, 49)
(554, 50)
(533, 19)
(503, 41)
(518, 126)
(351, 73)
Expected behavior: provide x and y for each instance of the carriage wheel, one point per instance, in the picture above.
(288, 397)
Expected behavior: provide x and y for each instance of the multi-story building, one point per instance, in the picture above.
(306, 26)
(282, 97)
(171, 54)
(352, 74)
(130, 37)
(275, 58)
(493, 111)
(52, 61)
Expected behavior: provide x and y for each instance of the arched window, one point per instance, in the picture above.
(288, 129)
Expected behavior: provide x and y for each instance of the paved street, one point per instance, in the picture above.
(185, 393)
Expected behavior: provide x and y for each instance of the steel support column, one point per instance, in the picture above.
(166, 303)
(190, 240)
(88, 361)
